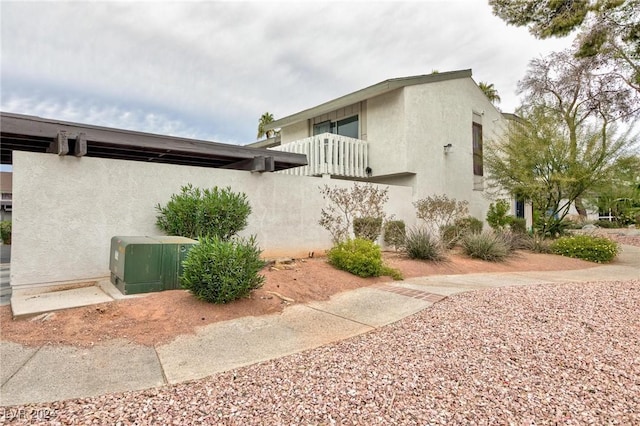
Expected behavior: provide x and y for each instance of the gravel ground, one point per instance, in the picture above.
(545, 354)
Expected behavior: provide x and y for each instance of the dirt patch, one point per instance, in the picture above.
(159, 317)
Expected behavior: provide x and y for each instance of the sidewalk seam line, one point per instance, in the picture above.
(164, 375)
(340, 316)
(22, 366)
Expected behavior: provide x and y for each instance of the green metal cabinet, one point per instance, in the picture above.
(146, 264)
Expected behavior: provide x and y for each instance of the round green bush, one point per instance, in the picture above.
(359, 256)
(367, 227)
(586, 247)
(196, 213)
(395, 233)
(220, 271)
(486, 246)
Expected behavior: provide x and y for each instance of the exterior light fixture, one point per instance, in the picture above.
(447, 148)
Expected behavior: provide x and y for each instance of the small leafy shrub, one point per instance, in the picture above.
(368, 227)
(518, 225)
(586, 247)
(486, 246)
(220, 271)
(438, 210)
(5, 231)
(196, 213)
(359, 256)
(498, 216)
(395, 233)
(420, 244)
(395, 274)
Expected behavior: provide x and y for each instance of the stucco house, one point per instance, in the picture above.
(425, 132)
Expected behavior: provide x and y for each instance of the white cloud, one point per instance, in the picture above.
(212, 68)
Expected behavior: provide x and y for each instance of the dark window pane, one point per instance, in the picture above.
(348, 127)
(324, 127)
(478, 168)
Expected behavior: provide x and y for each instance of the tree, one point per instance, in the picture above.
(619, 193)
(538, 160)
(265, 119)
(346, 204)
(490, 92)
(572, 90)
(607, 29)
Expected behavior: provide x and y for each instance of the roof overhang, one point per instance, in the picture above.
(29, 133)
(366, 93)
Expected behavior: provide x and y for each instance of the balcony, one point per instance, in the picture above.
(331, 154)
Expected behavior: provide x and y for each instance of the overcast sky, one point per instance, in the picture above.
(208, 70)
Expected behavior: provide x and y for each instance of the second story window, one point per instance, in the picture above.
(347, 127)
(478, 168)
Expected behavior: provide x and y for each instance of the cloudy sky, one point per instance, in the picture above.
(208, 70)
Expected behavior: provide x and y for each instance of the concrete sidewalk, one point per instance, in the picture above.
(50, 373)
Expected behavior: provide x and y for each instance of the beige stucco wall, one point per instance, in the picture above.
(386, 134)
(67, 209)
(294, 132)
(438, 114)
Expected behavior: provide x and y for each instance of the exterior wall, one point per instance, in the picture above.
(442, 113)
(67, 209)
(294, 132)
(386, 134)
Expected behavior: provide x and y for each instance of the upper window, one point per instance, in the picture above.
(347, 127)
(478, 169)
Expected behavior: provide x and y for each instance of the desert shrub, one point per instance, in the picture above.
(5, 231)
(540, 245)
(516, 240)
(451, 234)
(438, 210)
(607, 224)
(553, 228)
(368, 227)
(519, 225)
(196, 213)
(485, 246)
(420, 244)
(346, 204)
(359, 256)
(395, 233)
(586, 247)
(498, 216)
(220, 271)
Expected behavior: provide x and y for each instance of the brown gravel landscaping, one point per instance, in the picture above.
(561, 354)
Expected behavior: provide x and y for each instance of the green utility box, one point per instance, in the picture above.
(147, 264)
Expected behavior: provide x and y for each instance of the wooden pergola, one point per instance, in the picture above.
(35, 134)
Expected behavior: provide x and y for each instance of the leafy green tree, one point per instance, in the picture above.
(606, 29)
(490, 92)
(619, 192)
(572, 90)
(542, 160)
(265, 119)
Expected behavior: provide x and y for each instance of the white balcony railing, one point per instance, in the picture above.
(329, 154)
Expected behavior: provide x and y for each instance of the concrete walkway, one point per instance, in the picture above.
(50, 373)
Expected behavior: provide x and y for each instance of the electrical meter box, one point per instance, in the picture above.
(147, 264)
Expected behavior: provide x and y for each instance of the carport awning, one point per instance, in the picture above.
(29, 133)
